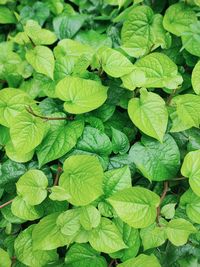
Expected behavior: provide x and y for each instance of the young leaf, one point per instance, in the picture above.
(81, 95)
(32, 187)
(80, 255)
(120, 142)
(23, 210)
(25, 253)
(156, 161)
(141, 261)
(42, 60)
(191, 169)
(113, 62)
(106, 238)
(82, 173)
(149, 114)
(136, 206)
(178, 231)
(47, 234)
(59, 193)
(5, 260)
(89, 217)
(178, 18)
(27, 132)
(196, 78)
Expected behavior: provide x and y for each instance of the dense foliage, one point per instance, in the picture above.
(99, 133)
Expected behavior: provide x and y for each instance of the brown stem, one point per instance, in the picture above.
(6, 204)
(59, 171)
(30, 110)
(111, 263)
(13, 260)
(166, 187)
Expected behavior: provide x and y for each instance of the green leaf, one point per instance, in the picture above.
(95, 141)
(191, 169)
(81, 255)
(27, 132)
(23, 210)
(32, 187)
(149, 114)
(5, 260)
(136, 206)
(178, 18)
(79, 177)
(38, 35)
(156, 161)
(89, 217)
(69, 223)
(141, 261)
(81, 95)
(191, 202)
(153, 236)
(47, 234)
(178, 231)
(25, 253)
(120, 142)
(12, 102)
(106, 238)
(59, 140)
(113, 62)
(168, 210)
(42, 60)
(116, 179)
(6, 16)
(196, 79)
(191, 39)
(131, 238)
(158, 71)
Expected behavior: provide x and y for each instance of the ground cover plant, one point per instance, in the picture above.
(99, 133)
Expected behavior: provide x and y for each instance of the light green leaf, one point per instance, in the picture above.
(81, 95)
(191, 169)
(6, 16)
(116, 179)
(81, 255)
(136, 34)
(188, 109)
(38, 35)
(12, 102)
(58, 193)
(5, 260)
(82, 174)
(191, 39)
(149, 114)
(178, 231)
(47, 234)
(159, 71)
(153, 236)
(89, 217)
(196, 78)
(69, 222)
(59, 140)
(42, 60)
(27, 132)
(141, 261)
(168, 210)
(32, 187)
(178, 18)
(120, 142)
(25, 253)
(23, 210)
(136, 206)
(106, 238)
(113, 62)
(156, 161)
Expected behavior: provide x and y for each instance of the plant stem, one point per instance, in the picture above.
(6, 204)
(59, 171)
(169, 99)
(30, 110)
(166, 187)
(111, 263)
(179, 179)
